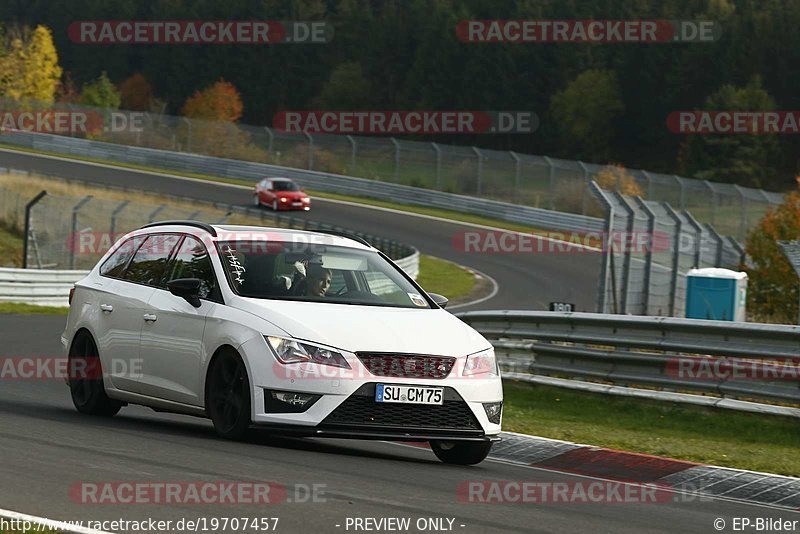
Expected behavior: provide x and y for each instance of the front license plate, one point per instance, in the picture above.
(409, 394)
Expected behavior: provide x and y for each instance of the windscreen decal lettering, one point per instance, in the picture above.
(235, 266)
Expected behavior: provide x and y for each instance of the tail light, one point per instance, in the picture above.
(71, 294)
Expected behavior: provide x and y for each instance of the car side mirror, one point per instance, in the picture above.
(440, 300)
(186, 288)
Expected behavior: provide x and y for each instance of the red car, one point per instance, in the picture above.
(280, 194)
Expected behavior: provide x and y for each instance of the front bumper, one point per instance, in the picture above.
(347, 406)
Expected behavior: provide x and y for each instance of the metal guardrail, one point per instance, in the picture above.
(745, 361)
(40, 287)
(321, 181)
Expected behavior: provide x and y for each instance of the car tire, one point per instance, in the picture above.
(86, 379)
(274, 205)
(461, 452)
(228, 396)
(256, 201)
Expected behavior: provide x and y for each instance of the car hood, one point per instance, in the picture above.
(355, 328)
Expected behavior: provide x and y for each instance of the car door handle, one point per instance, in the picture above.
(149, 317)
(107, 307)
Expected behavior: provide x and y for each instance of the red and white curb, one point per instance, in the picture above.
(680, 475)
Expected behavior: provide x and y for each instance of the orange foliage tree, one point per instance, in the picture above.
(773, 285)
(136, 93)
(218, 102)
(213, 112)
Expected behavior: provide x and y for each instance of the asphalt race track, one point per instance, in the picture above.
(48, 448)
(526, 280)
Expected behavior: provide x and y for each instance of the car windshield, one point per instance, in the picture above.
(285, 185)
(314, 272)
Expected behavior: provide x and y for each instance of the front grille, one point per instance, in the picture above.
(407, 365)
(361, 410)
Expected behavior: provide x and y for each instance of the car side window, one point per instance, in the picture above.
(115, 265)
(148, 265)
(192, 261)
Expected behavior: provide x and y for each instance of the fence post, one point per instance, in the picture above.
(28, 208)
(353, 150)
(396, 159)
(188, 134)
(648, 262)
(626, 263)
(517, 169)
(438, 166)
(310, 150)
(649, 183)
(602, 287)
(682, 191)
(718, 238)
(713, 200)
(271, 138)
(74, 231)
(478, 154)
(673, 284)
(699, 229)
(114, 214)
(585, 197)
(743, 218)
(155, 212)
(551, 174)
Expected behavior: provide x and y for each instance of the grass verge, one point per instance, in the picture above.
(444, 277)
(30, 309)
(705, 435)
(10, 247)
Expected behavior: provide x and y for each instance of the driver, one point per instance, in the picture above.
(318, 280)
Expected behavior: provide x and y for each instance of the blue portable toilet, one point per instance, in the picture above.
(715, 293)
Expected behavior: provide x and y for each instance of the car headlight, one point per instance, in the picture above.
(284, 199)
(480, 363)
(293, 351)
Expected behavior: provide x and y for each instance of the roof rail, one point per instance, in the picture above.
(348, 235)
(197, 224)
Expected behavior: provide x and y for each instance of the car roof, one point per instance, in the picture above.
(231, 232)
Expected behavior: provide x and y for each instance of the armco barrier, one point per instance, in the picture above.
(745, 361)
(40, 287)
(321, 181)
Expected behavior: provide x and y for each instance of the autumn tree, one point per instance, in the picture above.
(29, 65)
(100, 93)
(773, 285)
(213, 112)
(219, 102)
(136, 93)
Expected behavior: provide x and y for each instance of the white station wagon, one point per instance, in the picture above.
(296, 332)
